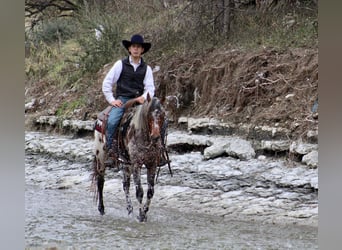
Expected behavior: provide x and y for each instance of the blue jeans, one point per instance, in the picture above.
(113, 121)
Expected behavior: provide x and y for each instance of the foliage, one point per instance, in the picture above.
(284, 25)
(53, 31)
(38, 11)
(67, 107)
(58, 66)
(99, 39)
(50, 55)
(41, 59)
(68, 54)
(286, 28)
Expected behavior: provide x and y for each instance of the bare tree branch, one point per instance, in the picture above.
(36, 9)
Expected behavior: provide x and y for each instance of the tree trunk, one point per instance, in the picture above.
(227, 16)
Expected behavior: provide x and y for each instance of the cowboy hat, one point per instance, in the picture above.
(137, 39)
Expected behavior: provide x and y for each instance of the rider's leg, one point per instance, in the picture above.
(113, 121)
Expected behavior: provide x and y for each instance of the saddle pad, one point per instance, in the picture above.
(98, 125)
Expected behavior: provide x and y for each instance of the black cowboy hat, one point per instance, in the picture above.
(137, 39)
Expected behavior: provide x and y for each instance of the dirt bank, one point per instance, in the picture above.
(264, 87)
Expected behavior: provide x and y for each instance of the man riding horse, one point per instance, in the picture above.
(134, 80)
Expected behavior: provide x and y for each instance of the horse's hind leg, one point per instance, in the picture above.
(139, 192)
(126, 184)
(100, 184)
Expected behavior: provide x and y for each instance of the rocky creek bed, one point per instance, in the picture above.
(222, 175)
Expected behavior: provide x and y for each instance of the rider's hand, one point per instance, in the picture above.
(140, 99)
(116, 103)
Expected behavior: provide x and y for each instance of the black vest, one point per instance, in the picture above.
(131, 83)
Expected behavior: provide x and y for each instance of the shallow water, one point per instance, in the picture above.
(61, 212)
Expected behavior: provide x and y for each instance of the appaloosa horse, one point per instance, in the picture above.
(142, 143)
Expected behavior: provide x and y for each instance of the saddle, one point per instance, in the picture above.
(101, 125)
(101, 121)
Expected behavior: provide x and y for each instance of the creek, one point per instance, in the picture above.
(195, 209)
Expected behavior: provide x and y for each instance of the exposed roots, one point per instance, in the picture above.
(262, 88)
(265, 87)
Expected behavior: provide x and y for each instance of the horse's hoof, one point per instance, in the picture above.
(101, 210)
(130, 210)
(142, 218)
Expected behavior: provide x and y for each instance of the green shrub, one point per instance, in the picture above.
(53, 30)
(96, 52)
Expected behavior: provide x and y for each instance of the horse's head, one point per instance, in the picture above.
(156, 117)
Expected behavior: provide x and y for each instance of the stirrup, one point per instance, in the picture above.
(123, 159)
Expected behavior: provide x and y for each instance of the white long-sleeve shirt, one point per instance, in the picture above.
(114, 74)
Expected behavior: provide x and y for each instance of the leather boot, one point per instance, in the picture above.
(109, 158)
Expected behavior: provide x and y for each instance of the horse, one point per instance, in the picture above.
(142, 142)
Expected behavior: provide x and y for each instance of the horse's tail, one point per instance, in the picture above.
(94, 177)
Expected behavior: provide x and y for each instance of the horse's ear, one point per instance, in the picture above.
(148, 97)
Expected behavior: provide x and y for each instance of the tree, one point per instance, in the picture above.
(38, 10)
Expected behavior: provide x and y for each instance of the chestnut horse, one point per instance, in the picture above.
(142, 144)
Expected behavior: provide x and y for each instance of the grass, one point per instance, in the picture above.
(67, 108)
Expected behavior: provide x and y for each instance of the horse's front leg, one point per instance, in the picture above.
(139, 192)
(151, 174)
(126, 185)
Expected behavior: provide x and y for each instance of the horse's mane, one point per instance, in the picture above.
(138, 119)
